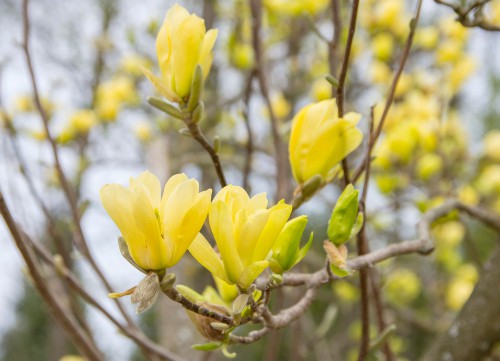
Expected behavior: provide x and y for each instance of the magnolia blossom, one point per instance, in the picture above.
(320, 139)
(157, 229)
(181, 45)
(245, 231)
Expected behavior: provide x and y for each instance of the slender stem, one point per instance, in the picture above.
(282, 180)
(247, 168)
(196, 133)
(343, 70)
(79, 239)
(72, 281)
(57, 309)
(392, 90)
(174, 295)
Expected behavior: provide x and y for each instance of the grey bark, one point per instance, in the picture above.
(477, 327)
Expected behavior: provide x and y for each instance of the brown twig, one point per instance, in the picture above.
(247, 168)
(196, 133)
(464, 12)
(174, 295)
(282, 180)
(134, 334)
(58, 311)
(343, 73)
(80, 241)
(392, 90)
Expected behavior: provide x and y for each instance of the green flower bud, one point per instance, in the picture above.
(344, 216)
(286, 249)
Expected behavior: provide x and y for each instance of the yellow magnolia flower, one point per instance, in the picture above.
(181, 45)
(245, 231)
(320, 139)
(158, 229)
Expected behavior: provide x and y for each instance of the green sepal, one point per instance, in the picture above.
(226, 353)
(189, 293)
(197, 115)
(196, 89)
(209, 346)
(122, 245)
(165, 107)
(339, 272)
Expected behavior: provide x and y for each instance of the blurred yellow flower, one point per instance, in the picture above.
(296, 7)
(280, 105)
(245, 231)
(157, 229)
(492, 145)
(461, 286)
(82, 121)
(427, 37)
(383, 46)
(181, 45)
(402, 286)
(134, 63)
(320, 139)
(321, 90)
(428, 165)
(143, 131)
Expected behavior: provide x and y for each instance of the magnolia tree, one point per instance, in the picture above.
(314, 103)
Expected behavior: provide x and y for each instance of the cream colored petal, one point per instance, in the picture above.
(160, 86)
(174, 16)
(152, 183)
(251, 273)
(259, 201)
(331, 147)
(203, 252)
(221, 224)
(190, 225)
(147, 222)
(171, 184)
(352, 117)
(186, 46)
(206, 55)
(117, 200)
(279, 214)
(250, 234)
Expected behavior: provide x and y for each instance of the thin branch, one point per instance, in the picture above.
(58, 311)
(392, 90)
(80, 241)
(282, 180)
(174, 295)
(134, 334)
(464, 11)
(247, 168)
(196, 133)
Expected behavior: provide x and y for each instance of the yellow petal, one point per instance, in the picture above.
(278, 216)
(171, 184)
(190, 225)
(221, 224)
(117, 200)
(152, 183)
(146, 220)
(251, 233)
(203, 252)
(206, 55)
(186, 46)
(251, 273)
(160, 87)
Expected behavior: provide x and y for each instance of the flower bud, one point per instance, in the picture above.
(344, 216)
(286, 251)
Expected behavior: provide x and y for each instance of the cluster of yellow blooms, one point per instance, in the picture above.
(158, 229)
